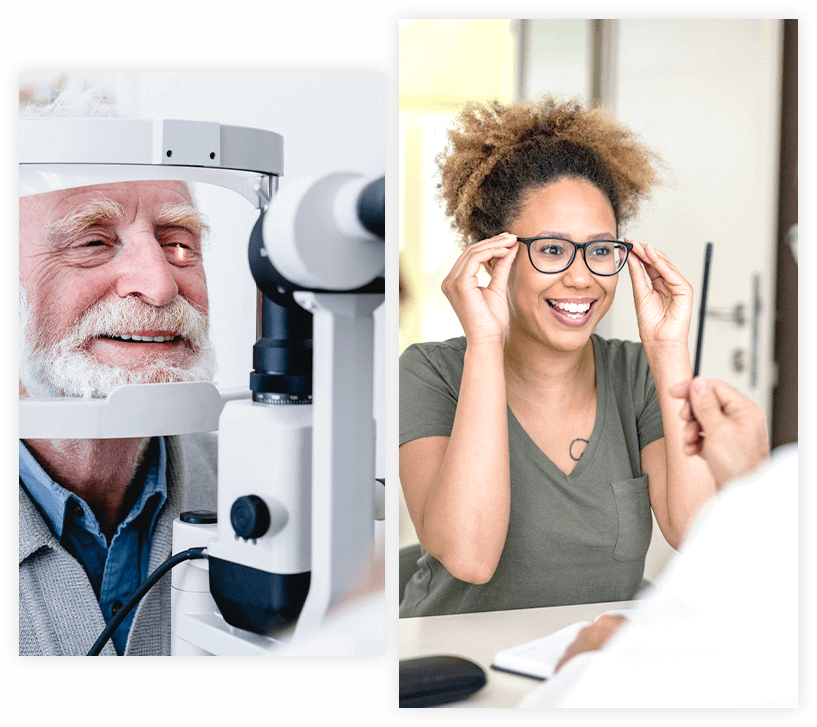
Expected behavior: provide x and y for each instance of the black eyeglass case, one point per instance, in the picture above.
(430, 681)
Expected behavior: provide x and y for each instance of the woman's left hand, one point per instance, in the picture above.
(665, 311)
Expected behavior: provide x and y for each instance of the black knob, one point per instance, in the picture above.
(199, 517)
(371, 207)
(250, 517)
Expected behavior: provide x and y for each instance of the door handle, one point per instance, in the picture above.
(757, 307)
(736, 314)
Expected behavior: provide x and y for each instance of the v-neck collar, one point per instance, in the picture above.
(598, 427)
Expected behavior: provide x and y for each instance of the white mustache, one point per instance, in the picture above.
(117, 316)
(66, 368)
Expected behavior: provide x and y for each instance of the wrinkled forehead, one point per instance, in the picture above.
(148, 197)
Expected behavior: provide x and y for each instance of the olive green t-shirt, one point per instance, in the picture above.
(577, 538)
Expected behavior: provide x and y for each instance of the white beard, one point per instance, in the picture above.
(65, 368)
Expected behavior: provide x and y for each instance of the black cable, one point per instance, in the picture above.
(152, 579)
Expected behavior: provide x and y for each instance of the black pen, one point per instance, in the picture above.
(702, 314)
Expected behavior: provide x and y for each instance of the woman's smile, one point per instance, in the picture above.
(574, 312)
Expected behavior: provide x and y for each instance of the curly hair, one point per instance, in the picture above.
(496, 153)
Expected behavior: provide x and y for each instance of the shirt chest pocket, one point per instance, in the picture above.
(632, 498)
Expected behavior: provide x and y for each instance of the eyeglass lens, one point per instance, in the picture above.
(605, 257)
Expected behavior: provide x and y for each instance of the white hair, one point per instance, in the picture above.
(76, 100)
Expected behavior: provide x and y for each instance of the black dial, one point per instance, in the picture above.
(250, 517)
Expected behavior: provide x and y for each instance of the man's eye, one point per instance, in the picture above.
(91, 246)
(179, 252)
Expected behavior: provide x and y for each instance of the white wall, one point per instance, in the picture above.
(707, 99)
(556, 58)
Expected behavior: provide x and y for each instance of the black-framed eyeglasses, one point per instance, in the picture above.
(555, 254)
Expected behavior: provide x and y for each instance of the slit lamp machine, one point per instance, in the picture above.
(297, 495)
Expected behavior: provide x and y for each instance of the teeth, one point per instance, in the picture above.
(151, 339)
(571, 307)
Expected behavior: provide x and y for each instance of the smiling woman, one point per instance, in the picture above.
(531, 449)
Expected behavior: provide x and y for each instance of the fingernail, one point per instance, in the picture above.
(699, 385)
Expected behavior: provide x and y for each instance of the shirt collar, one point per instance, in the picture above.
(154, 490)
(53, 499)
(50, 498)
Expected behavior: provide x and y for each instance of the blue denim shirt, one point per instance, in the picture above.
(115, 571)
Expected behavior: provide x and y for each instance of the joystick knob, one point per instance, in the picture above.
(250, 517)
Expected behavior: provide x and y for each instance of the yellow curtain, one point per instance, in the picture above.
(443, 65)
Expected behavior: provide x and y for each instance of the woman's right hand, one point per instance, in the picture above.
(483, 312)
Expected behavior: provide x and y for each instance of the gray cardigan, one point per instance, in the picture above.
(59, 612)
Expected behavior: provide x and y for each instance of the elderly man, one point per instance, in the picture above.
(112, 291)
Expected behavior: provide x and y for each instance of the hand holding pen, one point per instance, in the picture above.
(723, 427)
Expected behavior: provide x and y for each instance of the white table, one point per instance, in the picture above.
(478, 636)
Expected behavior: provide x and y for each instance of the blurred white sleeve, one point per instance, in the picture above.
(720, 629)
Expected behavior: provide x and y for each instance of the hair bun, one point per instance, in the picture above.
(484, 172)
